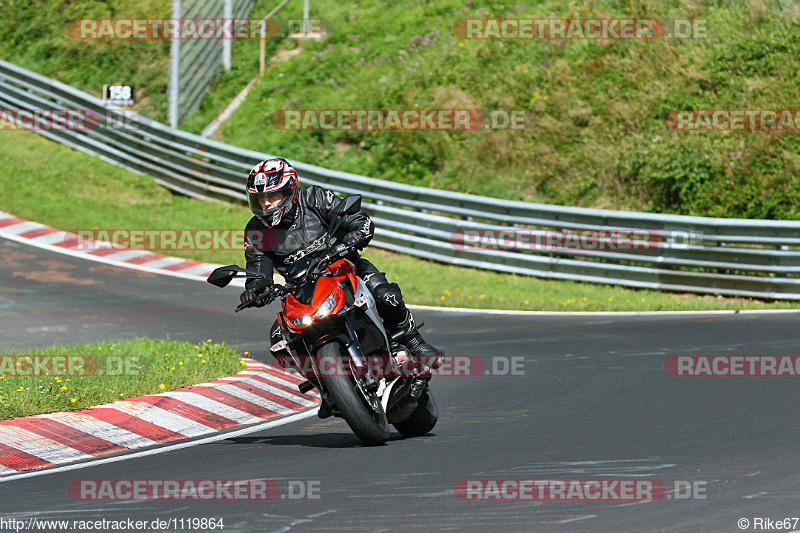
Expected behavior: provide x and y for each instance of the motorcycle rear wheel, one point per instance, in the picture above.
(422, 419)
(368, 423)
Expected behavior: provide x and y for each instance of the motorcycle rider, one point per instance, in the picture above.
(288, 231)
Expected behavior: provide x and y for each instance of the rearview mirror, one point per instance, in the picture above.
(351, 205)
(223, 275)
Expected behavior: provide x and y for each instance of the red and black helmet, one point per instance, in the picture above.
(270, 176)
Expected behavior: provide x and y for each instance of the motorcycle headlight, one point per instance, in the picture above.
(326, 307)
(299, 321)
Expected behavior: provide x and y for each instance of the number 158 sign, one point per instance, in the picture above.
(118, 94)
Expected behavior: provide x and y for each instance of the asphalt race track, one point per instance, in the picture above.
(593, 402)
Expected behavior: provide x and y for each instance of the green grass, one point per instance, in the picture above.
(83, 192)
(123, 369)
(598, 136)
(34, 36)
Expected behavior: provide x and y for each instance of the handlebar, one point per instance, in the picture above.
(276, 292)
(312, 274)
(339, 252)
(315, 272)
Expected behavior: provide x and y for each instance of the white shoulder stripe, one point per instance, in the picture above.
(41, 447)
(100, 429)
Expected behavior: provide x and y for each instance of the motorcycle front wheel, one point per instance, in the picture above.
(360, 408)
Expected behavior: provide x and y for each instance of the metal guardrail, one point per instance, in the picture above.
(756, 258)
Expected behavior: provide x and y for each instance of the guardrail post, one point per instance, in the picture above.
(226, 43)
(173, 93)
(782, 248)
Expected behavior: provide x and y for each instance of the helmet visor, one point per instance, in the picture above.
(271, 206)
(263, 202)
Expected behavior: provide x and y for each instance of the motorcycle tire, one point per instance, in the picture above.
(422, 419)
(371, 427)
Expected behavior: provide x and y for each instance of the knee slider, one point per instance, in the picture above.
(388, 295)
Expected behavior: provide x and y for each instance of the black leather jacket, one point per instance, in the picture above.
(290, 246)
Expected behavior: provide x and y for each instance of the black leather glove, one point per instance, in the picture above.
(256, 289)
(355, 237)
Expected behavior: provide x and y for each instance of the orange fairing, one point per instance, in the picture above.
(325, 286)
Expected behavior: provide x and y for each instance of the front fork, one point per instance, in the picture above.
(356, 357)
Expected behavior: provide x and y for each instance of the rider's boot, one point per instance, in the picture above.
(396, 317)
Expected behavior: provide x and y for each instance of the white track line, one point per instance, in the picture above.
(599, 313)
(164, 449)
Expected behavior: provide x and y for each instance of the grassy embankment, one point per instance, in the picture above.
(598, 137)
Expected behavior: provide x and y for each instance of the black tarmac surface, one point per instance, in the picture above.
(591, 400)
